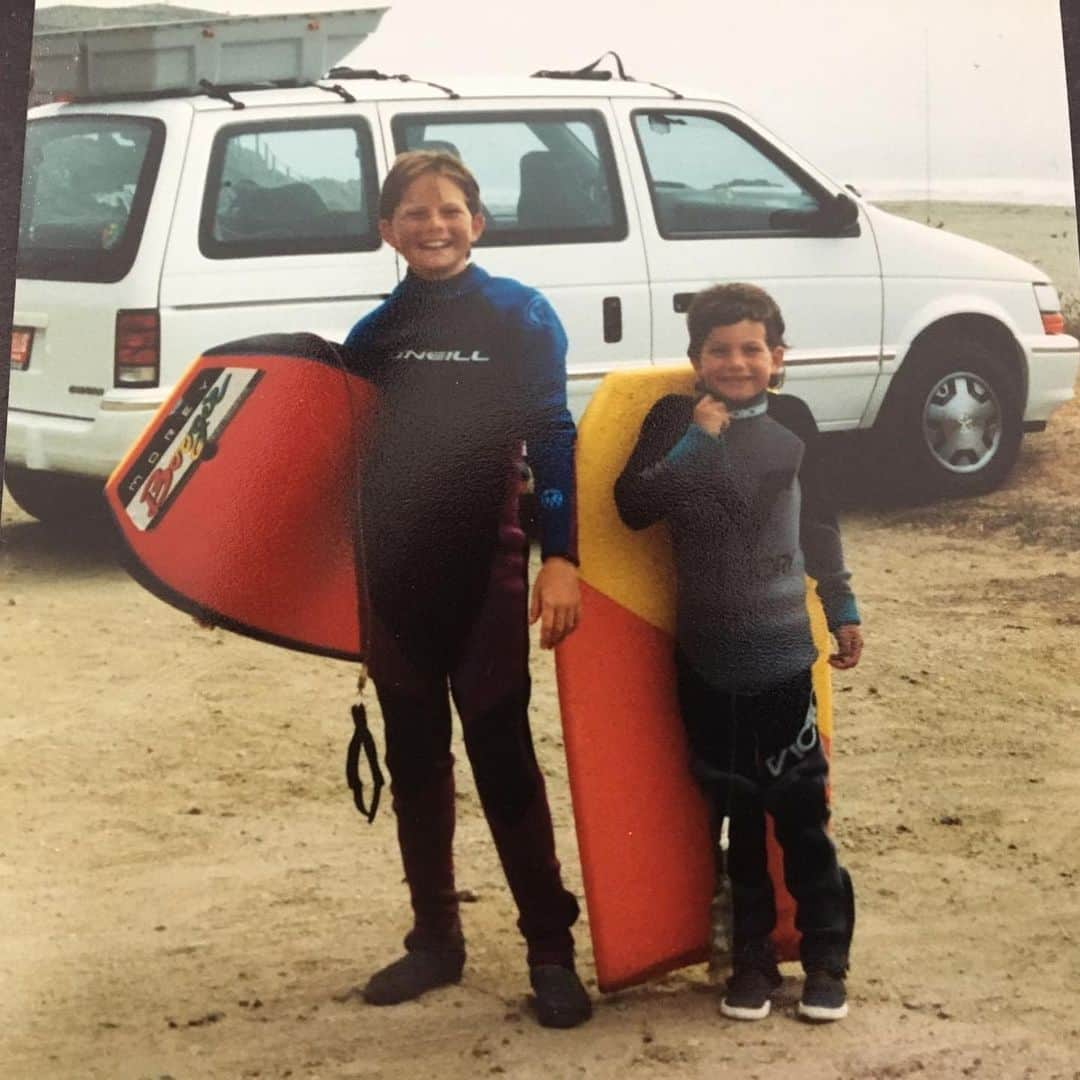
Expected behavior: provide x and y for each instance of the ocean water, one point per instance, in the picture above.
(971, 189)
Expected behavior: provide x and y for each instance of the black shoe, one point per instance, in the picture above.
(418, 971)
(561, 1000)
(824, 997)
(753, 981)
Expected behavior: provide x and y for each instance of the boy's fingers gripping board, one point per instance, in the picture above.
(641, 822)
(238, 503)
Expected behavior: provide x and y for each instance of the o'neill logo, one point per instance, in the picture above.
(179, 443)
(475, 357)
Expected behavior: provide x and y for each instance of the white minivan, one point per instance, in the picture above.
(157, 225)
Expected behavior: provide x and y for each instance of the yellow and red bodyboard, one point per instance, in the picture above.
(641, 821)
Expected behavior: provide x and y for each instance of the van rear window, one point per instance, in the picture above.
(87, 182)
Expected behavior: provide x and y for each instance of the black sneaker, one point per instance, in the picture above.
(824, 996)
(561, 1001)
(418, 971)
(754, 980)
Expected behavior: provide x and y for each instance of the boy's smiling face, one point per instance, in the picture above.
(735, 363)
(432, 227)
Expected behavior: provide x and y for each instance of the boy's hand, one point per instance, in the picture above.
(556, 600)
(849, 647)
(711, 415)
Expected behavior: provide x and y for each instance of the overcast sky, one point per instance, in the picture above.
(847, 82)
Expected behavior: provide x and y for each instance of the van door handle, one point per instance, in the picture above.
(612, 319)
(681, 302)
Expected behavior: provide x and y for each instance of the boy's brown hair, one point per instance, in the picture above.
(414, 163)
(725, 305)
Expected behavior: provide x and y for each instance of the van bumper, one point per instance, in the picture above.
(1053, 362)
(79, 447)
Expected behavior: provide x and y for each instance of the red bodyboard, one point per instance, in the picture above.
(239, 502)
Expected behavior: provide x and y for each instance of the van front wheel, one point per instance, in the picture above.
(956, 426)
(54, 498)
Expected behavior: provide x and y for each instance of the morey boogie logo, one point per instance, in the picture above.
(180, 443)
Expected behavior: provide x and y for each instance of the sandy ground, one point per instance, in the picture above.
(189, 893)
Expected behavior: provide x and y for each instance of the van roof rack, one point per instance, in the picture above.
(173, 58)
(594, 71)
(214, 90)
(379, 76)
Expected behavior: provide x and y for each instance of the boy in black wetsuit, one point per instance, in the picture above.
(736, 474)
(468, 367)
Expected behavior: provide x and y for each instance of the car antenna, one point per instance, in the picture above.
(371, 73)
(592, 71)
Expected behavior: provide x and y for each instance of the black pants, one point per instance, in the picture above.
(481, 656)
(761, 752)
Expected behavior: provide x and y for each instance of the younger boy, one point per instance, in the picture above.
(468, 366)
(736, 474)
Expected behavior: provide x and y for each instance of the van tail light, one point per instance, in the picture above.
(138, 348)
(1053, 322)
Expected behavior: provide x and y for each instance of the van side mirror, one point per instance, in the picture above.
(835, 215)
(843, 211)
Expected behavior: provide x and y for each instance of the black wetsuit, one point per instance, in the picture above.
(749, 516)
(467, 370)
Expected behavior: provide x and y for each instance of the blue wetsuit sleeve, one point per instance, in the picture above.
(549, 429)
(664, 468)
(356, 350)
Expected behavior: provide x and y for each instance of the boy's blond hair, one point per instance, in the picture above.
(414, 163)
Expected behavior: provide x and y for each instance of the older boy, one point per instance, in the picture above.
(468, 367)
(734, 471)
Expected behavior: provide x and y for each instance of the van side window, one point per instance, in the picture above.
(545, 177)
(709, 177)
(290, 188)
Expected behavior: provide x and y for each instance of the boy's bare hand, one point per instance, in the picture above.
(711, 415)
(556, 601)
(849, 647)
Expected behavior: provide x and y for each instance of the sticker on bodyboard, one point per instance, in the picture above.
(185, 438)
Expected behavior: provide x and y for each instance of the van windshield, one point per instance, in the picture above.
(86, 188)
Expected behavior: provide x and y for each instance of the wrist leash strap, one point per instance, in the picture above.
(361, 736)
(363, 739)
